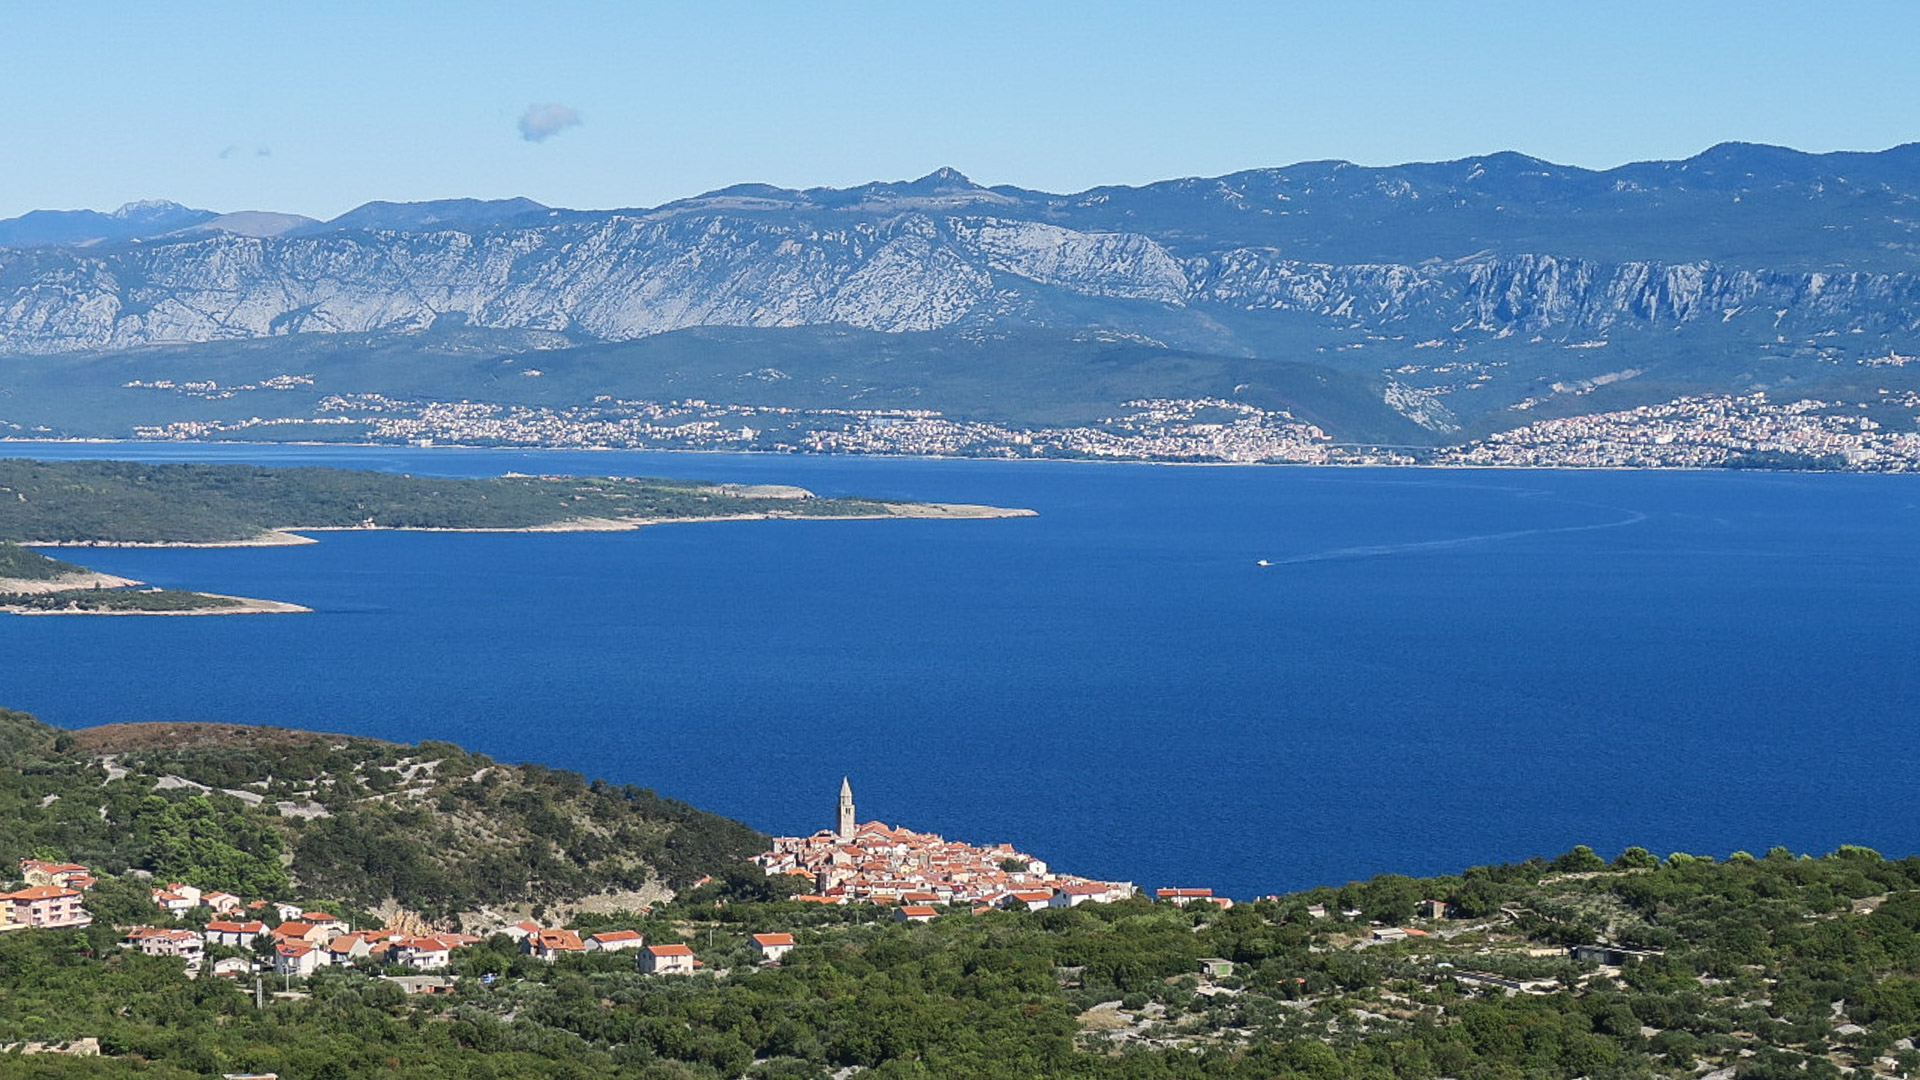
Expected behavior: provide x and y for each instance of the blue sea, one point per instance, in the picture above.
(1435, 669)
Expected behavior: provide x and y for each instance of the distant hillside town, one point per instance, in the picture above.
(879, 863)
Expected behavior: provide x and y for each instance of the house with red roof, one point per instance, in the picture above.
(66, 875)
(1076, 893)
(425, 953)
(174, 903)
(667, 960)
(328, 924)
(772, 947)
(550, 945)
(915, 913)
(615, 941)
(360, 945)
(1031, 900)
(154, 942)
(301, 932)
(44, 905)
(299, 960)
(237, 934)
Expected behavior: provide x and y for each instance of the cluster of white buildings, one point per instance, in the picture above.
(1158, 429)
(1703, 432)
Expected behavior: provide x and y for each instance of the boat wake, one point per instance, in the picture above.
(1369, 551)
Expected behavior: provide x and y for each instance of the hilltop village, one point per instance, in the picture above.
(885, 864)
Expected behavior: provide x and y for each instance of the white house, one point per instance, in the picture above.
(422, 953)
(237, 934)
(615, 941)
(772, 947)
(174, 902)
(182, 943)
(297, 959)
(231, 967)
(666, 960)
(1089, 892)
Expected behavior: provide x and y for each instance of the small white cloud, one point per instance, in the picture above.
(542, 122)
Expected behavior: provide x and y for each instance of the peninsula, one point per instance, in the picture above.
(131, 504)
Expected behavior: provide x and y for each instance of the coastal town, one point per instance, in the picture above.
(1881, 434)
(919, 876)
(879, 863)
(1147, 429)
(1711, 432)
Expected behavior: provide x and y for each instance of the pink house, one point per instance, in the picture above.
(45, 905)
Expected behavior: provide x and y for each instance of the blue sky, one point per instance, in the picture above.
(315, 109)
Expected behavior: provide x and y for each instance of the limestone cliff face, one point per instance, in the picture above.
(942, 252)
(1547, 294)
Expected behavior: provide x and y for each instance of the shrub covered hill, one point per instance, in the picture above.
(1744, 968)
(267, 812)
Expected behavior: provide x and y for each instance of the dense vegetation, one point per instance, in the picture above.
(25, 564)
(148, 601)
(120, 501)
(1775, 966)
(366, 822)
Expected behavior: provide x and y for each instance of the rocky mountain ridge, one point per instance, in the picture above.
(1743, 258)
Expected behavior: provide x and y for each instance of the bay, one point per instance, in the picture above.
(1438, 668)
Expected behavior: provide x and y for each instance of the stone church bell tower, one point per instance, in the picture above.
(843, 827)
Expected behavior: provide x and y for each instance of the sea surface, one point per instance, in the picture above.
(1437, 668)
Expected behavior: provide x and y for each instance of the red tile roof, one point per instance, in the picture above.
(670, 950)
(39, 892)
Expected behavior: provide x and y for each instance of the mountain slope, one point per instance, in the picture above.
(1475, 282)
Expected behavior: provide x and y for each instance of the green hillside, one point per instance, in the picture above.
(360, 821)
(1771, 967)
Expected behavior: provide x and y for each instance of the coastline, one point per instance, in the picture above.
(246, 605)
(271, 538)
(747, 452)
(40, 586)
(287, 537)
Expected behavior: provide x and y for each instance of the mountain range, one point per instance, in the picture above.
(1414, 302)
